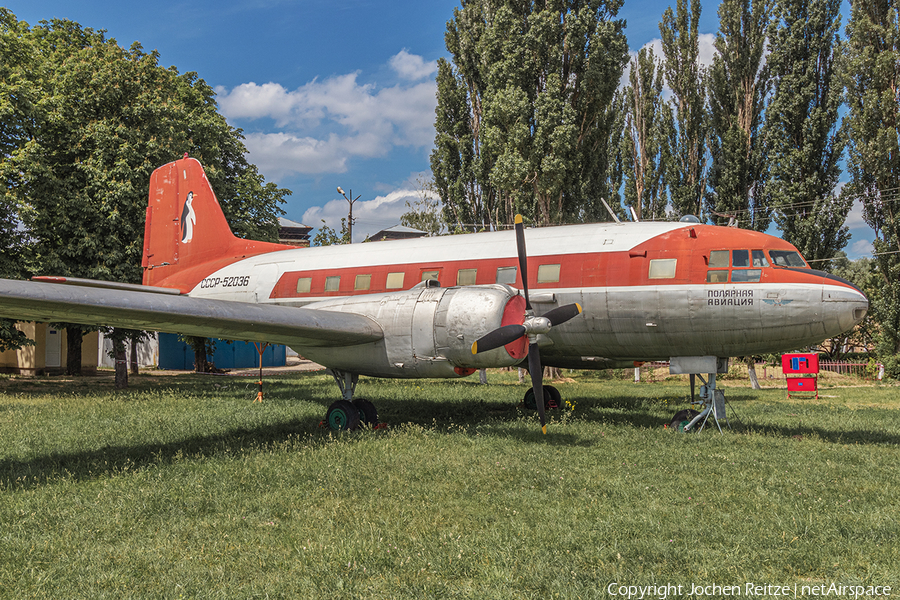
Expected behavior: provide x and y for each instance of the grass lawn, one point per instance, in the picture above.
(182, 487)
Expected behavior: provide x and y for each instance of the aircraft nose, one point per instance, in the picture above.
(844, 301)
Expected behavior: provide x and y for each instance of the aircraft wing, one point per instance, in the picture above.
(120, 305)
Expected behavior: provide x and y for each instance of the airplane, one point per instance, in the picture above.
(586, 296)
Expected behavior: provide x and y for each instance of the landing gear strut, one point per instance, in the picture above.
(712, 401)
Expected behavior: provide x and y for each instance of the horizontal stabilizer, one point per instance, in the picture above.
(49, 302)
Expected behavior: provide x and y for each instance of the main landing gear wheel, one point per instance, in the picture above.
(368, 415)
(342, 416)
(552, 398)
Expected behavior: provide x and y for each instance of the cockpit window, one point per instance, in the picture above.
(759, 259)
(718, 259)
(740, 258)
(786, 258)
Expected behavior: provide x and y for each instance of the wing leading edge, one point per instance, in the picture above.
(50, 302)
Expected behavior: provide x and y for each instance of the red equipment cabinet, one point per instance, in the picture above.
(801, 371)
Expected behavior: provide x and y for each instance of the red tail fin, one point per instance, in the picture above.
(186, 236)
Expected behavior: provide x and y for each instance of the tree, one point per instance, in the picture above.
(873, 126)
(15, 55)
(327, 236)
(523, 120)
(804, 142)
(861, 273)
(644, 145)
(424, 213)
(97, 120)
(739, 83)
(685, 76)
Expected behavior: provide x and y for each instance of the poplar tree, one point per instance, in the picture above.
(645, 145)
(685, 76)
(738, 86)
(873, 126)
(523, 118)
(803, 140)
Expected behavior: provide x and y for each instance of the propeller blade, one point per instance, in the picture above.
(523, 258)
(560, 315)
(498, 337)
(537, 382)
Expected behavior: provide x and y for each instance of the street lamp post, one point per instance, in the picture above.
(351, 200)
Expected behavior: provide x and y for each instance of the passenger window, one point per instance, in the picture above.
(717, 276)
(663, 268)
(466, 276)
(394, 281)
(304, 285)
(333, 284)
(745, 275)
(363, 282)
(506, 275)
(759, 259)
(718, 259)
(426, 275)
(548, 274)
(740, 258)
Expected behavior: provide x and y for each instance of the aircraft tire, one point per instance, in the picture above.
(368, 414)
(342, 416)
(555, 397)
(529, 402)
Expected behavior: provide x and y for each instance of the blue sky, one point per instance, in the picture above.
(328, 93)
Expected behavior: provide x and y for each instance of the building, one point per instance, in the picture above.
(48, 355)
(176, 355)
(293, 233)
(397, 232)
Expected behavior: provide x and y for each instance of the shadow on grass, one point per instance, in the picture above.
(477, 413)
(108, 460)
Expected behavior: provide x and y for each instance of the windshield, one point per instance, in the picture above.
(786, 258)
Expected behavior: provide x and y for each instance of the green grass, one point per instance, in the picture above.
(183, 487)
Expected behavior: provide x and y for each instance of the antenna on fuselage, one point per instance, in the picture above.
(634, 214)
(611, 213)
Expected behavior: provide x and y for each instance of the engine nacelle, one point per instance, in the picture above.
(428, 331)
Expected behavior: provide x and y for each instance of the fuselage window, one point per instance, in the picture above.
(718, 259)
(333, 283)
(663, 268)
(759, 259)
(466, 276)
(746, 275)
(548, 274)
(394, 281)
(717, 276)
(506, 275)
(363, 282)
(740, 258)
(786, 258)
(426, 275)
(304, 285)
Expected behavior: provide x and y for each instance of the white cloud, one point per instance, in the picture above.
(369, 216)
(411, 66)
(322, 124)
(707, 51)
(860, 248)
(855, 216)
(282, 153)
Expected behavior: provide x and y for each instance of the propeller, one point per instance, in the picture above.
(531, 327)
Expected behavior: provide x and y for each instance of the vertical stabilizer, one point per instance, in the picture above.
(186, 236)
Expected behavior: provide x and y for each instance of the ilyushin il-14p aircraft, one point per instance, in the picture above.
(589, 296)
